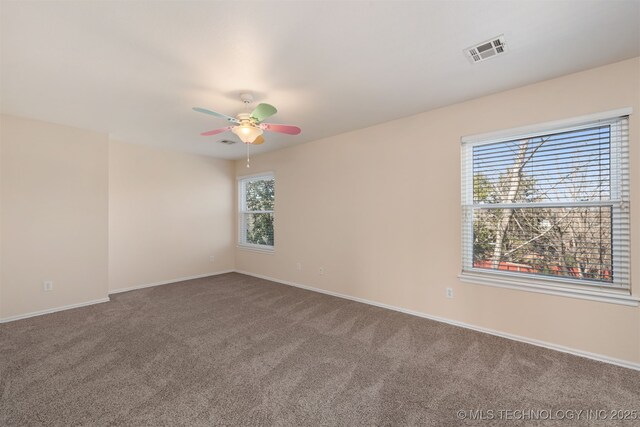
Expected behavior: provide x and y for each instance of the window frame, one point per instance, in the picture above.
(243, 212)
(617, 292)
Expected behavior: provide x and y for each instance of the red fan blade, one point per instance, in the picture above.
(216, 131)
(291, 130)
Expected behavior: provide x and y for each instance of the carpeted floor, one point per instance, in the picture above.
(236, 350)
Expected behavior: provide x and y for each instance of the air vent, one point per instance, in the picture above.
(486, 50)
(227, 141)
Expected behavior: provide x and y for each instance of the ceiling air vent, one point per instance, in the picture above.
(227, 141)
(487, 49)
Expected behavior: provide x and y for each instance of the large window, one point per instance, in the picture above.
(256, 196)
(549, 208)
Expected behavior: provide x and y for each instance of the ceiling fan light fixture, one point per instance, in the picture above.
(247, 133)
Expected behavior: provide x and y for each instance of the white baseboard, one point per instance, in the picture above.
(581, 353)
(551, 346)
(101, 300)
(167, 282)
(53, 310)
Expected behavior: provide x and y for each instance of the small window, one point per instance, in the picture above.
(256, 196)
(549, 208)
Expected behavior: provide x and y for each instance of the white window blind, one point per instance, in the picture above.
(549, 207)
(256, 197)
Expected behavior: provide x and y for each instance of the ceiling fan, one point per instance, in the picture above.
(249, 126)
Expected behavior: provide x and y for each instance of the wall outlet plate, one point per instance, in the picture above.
(449, 293)
(47, 285)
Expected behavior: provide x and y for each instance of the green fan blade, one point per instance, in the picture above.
(263, 111)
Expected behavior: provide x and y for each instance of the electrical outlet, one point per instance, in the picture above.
(299, 266)
(449, 293)
(212, 258)
(321, 271)
(47, 285)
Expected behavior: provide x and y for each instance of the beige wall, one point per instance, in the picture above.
(54, 215)
(97, 216)
(168, 214)
(379, 210)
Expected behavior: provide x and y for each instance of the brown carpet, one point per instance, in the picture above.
(236, 350)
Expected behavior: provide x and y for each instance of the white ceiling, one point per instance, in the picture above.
(134, 69)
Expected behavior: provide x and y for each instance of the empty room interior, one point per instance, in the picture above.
(320, 212)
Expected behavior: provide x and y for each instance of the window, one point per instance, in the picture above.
(549, 208)
(256, 196)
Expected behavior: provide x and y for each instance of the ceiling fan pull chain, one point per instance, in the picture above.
(248, 165)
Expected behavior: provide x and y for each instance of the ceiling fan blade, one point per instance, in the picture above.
(216, 131)
(263, 111)
(291, 130)
(259, 140)
(213, 113)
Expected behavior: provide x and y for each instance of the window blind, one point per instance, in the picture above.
(550, 205)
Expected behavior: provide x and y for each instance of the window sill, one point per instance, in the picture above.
(542, 286)
(257, 248)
